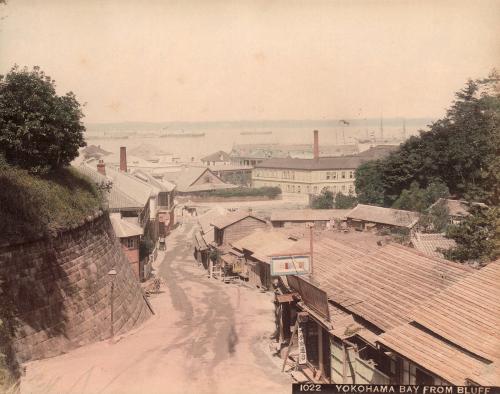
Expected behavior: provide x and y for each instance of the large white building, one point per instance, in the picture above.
(310, 176)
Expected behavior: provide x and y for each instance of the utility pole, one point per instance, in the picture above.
(311, 248)
(112, 274)
(404, 129)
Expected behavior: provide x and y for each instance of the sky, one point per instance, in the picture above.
(212, 60)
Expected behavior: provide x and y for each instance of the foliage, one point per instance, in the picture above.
(477, 236)
(323, 201)
(266, 191)
(460, 150)
(40, 130)
(368, 183)
(419, 200)
(42, 205)
(436, 218)
(345, 202)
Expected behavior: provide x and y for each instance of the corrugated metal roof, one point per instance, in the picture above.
(430, 243)
(291, 215)
(393, 217)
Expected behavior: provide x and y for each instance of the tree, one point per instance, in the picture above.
(477, 236)
(461, 150)
(323, 201)
(40, 130)
(419, 200)
(345, 202)
(368, 183)
(436, 218)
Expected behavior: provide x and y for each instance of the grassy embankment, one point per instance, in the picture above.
(31, 205)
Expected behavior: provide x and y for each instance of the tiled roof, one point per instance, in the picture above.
(430, 243)
(393, 217)
(219, 156)
(124, 228)
(323, 163)
(291, 215)
(224, 221)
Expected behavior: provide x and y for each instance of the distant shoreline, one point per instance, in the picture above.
(300, 123)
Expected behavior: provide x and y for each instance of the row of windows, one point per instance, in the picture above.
(291, 188)
(339, 175)
(290, 174)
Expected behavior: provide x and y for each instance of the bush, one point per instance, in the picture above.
(266, 191)
(323, 201)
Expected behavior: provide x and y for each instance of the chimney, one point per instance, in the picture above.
(316, 146)
(101, 167)
(123, 158)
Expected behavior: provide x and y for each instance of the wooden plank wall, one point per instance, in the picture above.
(241, 229)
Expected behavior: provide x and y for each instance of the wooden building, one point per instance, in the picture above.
(232, 227)
(364, 217)
(389, 317)
(254, 252)
(321, 218)
(128, 231)
(196, 180)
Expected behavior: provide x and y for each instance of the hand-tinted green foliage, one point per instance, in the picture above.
(345, 202)
(368, 183)
(39, 130)
(31, 205)
(265, 191)
(477, 236)
(323, 201)
(435, 219)
(419, 200)
(461, 150)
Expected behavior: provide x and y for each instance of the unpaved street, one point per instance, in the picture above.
(206, 337)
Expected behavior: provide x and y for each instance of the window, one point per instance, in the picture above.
(351, 174)
(315, 189)
(130, 243)
(343, 188)
(343, 175)
(298, 189)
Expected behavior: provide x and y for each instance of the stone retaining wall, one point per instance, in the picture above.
(56, 292)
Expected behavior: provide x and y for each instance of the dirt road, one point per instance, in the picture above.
(206, 337)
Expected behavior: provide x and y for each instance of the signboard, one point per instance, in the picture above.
(290, 265)
(313, 297)
(302, 346)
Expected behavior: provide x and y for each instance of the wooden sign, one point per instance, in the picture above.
(290, 265)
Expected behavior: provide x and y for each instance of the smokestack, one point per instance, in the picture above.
(101, 167)
(123, 158)
(316, 146)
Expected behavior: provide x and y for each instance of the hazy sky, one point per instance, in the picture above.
(231, 60)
